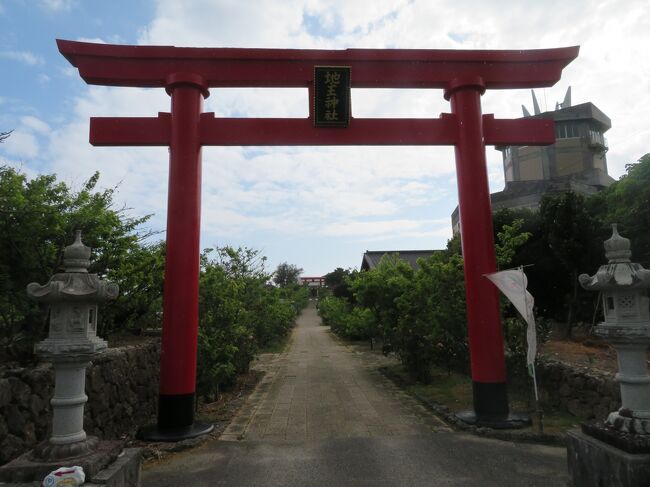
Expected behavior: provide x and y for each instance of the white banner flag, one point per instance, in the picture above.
(513, 284)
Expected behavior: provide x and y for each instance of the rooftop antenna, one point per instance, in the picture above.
(535, 104)
(567, 98)
(525, 110)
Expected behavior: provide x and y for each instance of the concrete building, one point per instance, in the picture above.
(576, 162)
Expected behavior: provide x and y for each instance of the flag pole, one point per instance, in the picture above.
(531, 366)
(538, 409)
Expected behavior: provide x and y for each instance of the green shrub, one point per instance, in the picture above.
(238, 313)
(359, 324)
(379, 290)
(334, 312)
(272, 320)
(300, 298)
(354, 323)
(432, 324)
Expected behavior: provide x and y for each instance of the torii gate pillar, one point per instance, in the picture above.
(178, 349)
(187, 73)
(477, 240)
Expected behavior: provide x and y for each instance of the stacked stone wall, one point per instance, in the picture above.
(581, 391)
(122, 389)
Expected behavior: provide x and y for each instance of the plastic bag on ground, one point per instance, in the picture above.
(65, 477)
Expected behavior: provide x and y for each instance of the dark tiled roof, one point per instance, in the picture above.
(372, 257)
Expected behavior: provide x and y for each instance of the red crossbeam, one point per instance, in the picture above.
(131, 131)
(151, 66)
(148, 131)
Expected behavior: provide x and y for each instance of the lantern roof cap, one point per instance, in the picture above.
(76, 257)
(617, 248)
(620, 272)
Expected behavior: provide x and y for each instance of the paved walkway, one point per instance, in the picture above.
(324, 416)
(320, 389)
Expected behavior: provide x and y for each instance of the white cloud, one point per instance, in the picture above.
(24, 57)
(268, 23)
(259, 102)
(35, 124)
(95, 40)
(377, 228)
(24, 140)
(69, 71)
(57, 5)
(21, 144)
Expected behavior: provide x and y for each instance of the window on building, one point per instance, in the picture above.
(566, 131)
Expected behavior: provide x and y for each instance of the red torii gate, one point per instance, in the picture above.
(188, 73)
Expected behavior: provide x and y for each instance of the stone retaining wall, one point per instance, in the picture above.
(581, 391)
(122, 389)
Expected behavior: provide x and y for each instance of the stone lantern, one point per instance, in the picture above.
(624, 286)
(73, 296)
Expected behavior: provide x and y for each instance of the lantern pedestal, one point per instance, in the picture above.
(595, 462)
(68, 436)
(631, 343)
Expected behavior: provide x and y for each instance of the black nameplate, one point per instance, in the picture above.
(331, 96)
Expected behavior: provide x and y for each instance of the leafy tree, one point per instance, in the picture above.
(627, 202)
(226, 343)
(432, 323)
(238, 314)
(334, 313)
(140, 274)
(286, 274)
(338, 281)
(351, 322)
(4, 135)
(454, 246)
(241, 262)
(509, 239)
(378, 290)
(571, 234)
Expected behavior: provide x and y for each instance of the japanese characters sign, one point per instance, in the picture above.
(331, 96)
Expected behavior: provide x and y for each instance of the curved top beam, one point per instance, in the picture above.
(151, 66)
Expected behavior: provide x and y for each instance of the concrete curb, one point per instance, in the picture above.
(444, 413)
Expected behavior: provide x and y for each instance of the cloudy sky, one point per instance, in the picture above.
(318, 208)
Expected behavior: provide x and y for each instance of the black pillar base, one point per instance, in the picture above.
(509, 421)
(491, 408)
(175, 420)
(175, 410)
(156, 433)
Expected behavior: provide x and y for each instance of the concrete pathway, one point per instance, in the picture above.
(321, 389)
(324, 416)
